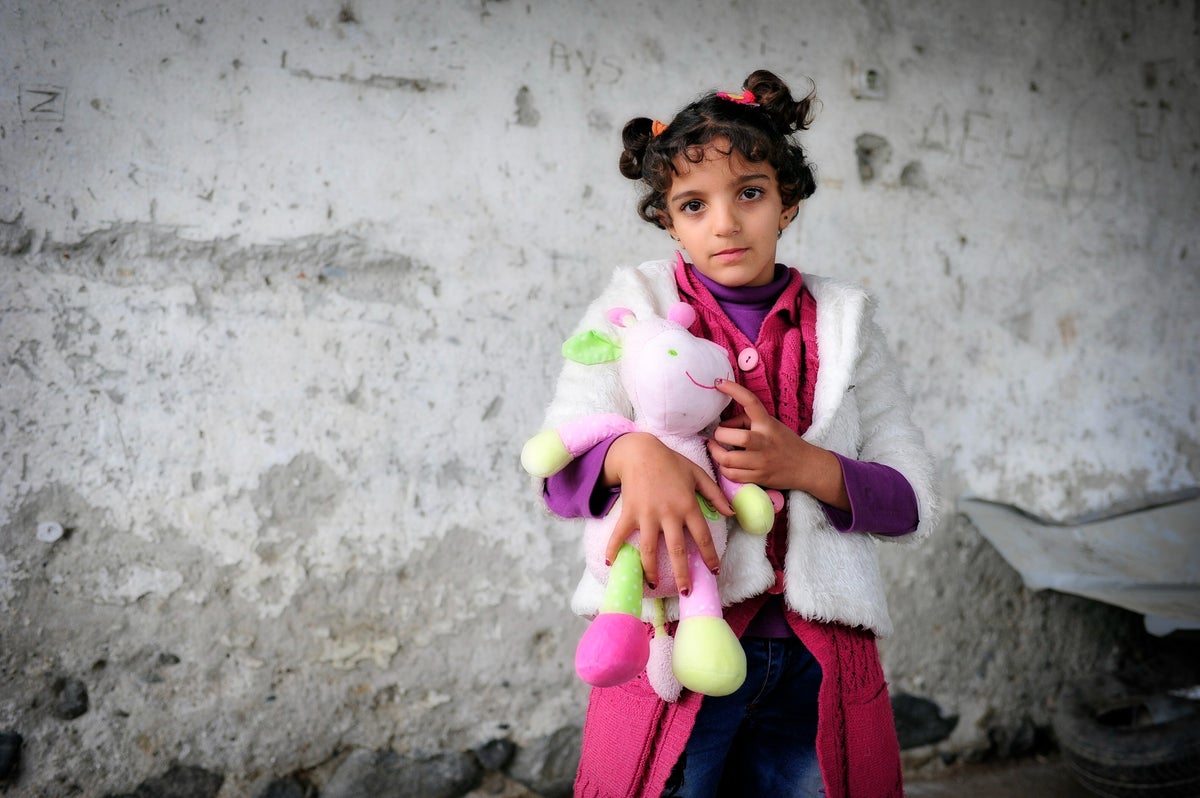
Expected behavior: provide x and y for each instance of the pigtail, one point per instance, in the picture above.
(775, 99)
(797, 181)
(636, 137)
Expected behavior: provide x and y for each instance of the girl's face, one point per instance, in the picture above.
(727, 212)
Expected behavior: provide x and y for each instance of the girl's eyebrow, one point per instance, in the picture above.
(754, 178)
(684, 195)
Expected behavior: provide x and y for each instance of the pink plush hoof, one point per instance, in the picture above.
(613, 649)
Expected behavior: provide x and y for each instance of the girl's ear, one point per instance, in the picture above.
(787, 215)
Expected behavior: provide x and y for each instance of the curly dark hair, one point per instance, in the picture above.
(758, 133)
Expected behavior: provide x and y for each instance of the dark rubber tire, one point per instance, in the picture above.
(1114, 747)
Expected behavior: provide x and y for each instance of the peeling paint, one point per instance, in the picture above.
(386, 82)
(527, 115)
(127, 584)
(297, 494)
(913, 176)
(872, 153)
(354, 646)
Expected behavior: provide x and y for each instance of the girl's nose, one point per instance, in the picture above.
(725, 220)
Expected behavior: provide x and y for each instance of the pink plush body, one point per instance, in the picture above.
(670, 376)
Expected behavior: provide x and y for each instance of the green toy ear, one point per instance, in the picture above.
(590, 348)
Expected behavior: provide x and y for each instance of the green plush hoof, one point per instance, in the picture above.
(544, 454)
(708, 656)
(754, 510)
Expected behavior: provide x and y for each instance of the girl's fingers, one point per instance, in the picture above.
(719, 454)
(614, 545)
(727, 459)
(734, 464)
(709, 489)
(624, 527)
(736, 437)
(746, 398)
(648, 546)
(676, 542)
(698, 527)
(740, 421)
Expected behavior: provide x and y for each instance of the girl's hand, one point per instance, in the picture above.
(658, 495)
(756, 447)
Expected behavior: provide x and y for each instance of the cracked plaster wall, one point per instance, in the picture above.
(282, 287)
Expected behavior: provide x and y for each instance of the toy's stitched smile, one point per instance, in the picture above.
(698, 385)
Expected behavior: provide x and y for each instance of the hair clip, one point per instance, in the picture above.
(656, 128)
(745, 98)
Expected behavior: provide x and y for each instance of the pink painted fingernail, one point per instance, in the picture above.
(651, 585)
(685, 591)
(716, 571)
(608, 562)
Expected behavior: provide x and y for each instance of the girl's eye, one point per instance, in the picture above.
(752, 193)
(692, 207)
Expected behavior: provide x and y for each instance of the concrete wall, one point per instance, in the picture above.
(281, 291)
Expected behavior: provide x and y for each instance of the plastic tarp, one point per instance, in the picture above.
(1147, 561)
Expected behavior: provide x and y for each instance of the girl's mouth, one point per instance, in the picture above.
(729, 254)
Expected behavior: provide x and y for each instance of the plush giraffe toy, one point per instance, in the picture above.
(670, 378)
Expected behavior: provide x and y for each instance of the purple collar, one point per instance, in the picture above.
(746, 306)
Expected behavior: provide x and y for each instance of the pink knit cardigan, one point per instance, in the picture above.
(632, 738)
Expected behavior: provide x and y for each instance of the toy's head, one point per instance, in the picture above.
(669, 374)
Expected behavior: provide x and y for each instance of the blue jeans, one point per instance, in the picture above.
(761, 739)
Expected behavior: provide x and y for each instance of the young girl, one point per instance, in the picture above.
(819, 414)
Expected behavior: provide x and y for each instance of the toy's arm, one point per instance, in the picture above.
(754, 507)
(549, 451)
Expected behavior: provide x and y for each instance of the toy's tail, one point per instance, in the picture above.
(659, 668)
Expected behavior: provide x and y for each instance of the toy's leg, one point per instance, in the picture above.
(709, 658)
(614, 648)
